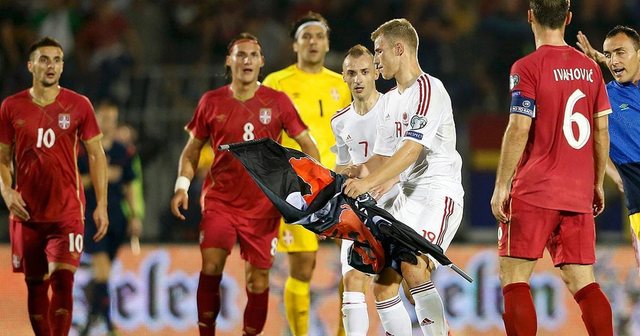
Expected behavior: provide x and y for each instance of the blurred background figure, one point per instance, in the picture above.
(121, 177)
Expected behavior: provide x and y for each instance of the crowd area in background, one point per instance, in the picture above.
(469, 44)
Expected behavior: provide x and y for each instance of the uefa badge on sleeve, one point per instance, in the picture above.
(265, 115)
(64, 120)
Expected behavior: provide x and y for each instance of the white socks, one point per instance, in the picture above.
(394, 317)
(354, 314)
(429, 310)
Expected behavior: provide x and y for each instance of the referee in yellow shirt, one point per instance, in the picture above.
(317, 93)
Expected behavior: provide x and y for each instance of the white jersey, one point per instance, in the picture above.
(355, 138)
(355, 134)
(422, 113)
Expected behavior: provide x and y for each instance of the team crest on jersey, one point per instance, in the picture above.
(265, 115)
(335, 94)
(64, 120)
(405, 118)
(513, 81)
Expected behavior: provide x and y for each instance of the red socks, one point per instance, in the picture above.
(255, 314)
(596, 310)
(61, 302)
(38, 306)
(208, 297)
(519, 312)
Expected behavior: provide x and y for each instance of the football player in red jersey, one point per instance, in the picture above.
(549, 179)
(234, 209)
(41, 129)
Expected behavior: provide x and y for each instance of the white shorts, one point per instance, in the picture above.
(435, 217)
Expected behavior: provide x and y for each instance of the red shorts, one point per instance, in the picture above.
(35, 245)
(257, 238)
(570, 237)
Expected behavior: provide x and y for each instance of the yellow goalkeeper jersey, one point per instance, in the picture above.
(317, 96)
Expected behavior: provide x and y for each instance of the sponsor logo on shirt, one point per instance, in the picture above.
(412, 134)
(64, 120)
(405, 118)
(624, 106)
(418, 122)
(265, 115)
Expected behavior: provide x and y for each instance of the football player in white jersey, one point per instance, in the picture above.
(354, 129)
(416, 139)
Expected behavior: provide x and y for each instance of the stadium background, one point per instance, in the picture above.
(156, 57)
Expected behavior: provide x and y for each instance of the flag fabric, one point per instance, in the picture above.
(308, 194)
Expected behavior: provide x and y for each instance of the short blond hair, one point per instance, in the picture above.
(398, 29)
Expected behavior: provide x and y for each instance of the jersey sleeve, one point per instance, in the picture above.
(522, 84)
(341, 150)
(198, 127)
(427, 114)
(7, 132)
(89, 127)
(292, 122)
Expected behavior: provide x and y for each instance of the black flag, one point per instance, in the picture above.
(309, 194)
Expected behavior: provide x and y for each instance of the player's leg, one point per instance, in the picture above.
(217, 236)
(65, 243)
(572, 248)
(258, 240)
(31, 259)
(521, 243)
(437, 218)
(355, 319)
(634, 227)
(301, 246)
(102, 255)
(393, 316)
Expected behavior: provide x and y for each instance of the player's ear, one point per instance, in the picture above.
(227, 60)
(530, 16)
(398, 49)
(567, 20)
(295, 47)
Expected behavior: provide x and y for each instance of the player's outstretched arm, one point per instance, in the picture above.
(99, 178)
(11, 197)
(186, 171)
(587, 49)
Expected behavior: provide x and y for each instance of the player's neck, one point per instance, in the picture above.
(242, 91)
(407, 75)
(310, 67)
(44, 95)
(363, 106)
(550, 37)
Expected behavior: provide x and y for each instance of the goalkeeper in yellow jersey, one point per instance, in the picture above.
(317, 93)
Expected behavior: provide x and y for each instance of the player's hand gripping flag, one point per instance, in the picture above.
(308, 194)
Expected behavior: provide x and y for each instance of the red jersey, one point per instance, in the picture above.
(46, 141)
(223, 119)
(563, 91)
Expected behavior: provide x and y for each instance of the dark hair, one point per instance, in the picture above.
(357, 51)
(309, 17)
(550, 13)
(630, 32)
(44, 42)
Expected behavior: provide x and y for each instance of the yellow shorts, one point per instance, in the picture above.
(295, 238)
